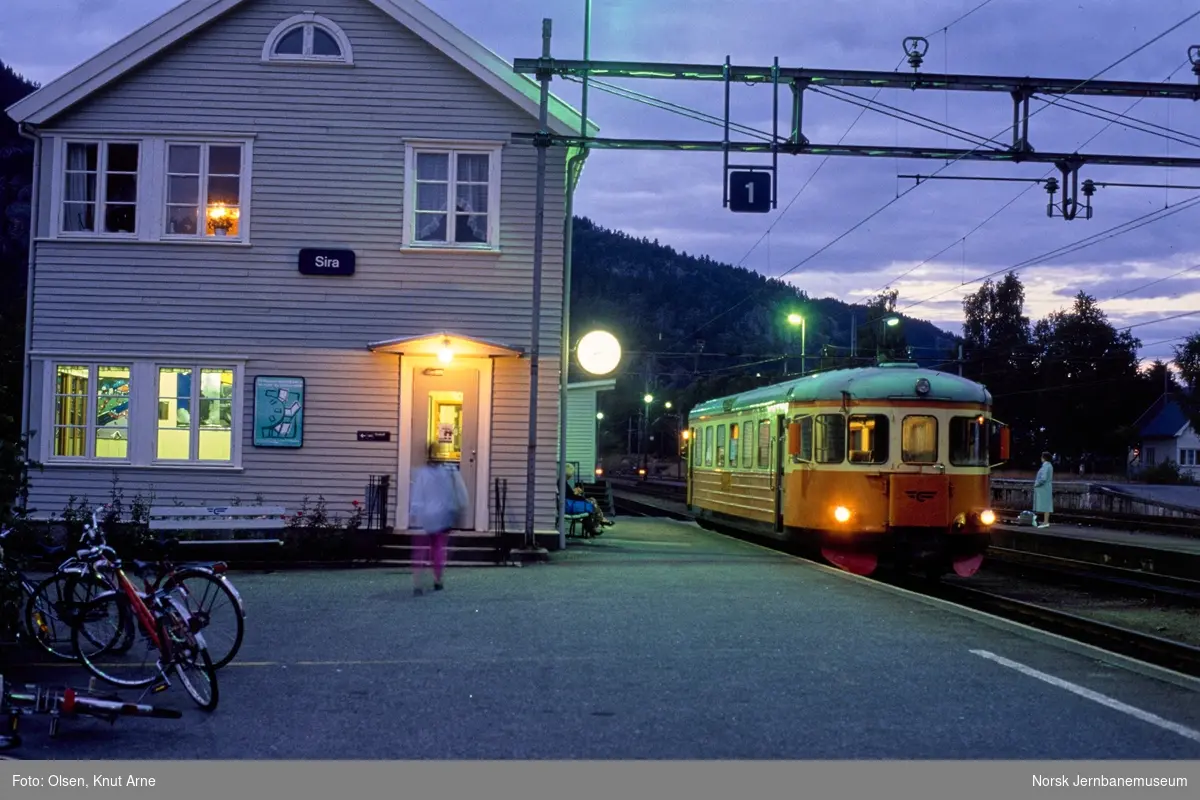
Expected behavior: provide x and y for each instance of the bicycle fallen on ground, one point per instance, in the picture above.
(20, 700)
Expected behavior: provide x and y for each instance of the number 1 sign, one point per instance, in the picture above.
(750, 192)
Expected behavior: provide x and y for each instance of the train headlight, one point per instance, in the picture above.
(841, 514)
(987, 516)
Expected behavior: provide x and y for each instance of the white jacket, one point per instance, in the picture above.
(439, 495)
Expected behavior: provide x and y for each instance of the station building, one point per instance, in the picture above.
(283, 248)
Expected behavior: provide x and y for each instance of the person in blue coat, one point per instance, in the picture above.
(1043, 491)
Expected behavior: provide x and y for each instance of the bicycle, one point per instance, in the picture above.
(18, 593)
(202, 588)
(162, 624)
(28, 699)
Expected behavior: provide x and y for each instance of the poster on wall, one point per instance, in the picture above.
(278, 412)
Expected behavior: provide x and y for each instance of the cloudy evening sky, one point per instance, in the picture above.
(676, 197)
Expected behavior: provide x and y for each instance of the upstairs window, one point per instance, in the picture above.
(100, 187)
(204, 191)
(452, 196)
(308, 37)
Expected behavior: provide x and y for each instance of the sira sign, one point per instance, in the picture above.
(326, 262)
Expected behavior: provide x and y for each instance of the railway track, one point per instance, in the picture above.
(1146, 647)
(1176, 526)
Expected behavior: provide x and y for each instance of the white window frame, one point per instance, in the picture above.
(308, 21)
(51, 395)
(244, 190)
(494, 151)
(193, 458)
(143, 409)
(58, 193)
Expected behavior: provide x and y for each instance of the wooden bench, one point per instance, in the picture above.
(191, 518)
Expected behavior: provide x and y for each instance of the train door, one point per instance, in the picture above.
(780, 449)
(690, 458)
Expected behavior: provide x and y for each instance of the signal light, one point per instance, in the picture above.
(841, 514)
(987, 516)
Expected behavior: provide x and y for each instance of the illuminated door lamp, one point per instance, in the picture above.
(445, 355)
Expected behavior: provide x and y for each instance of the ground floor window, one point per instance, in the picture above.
(143, 411)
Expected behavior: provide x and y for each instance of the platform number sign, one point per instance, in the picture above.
(750, 192)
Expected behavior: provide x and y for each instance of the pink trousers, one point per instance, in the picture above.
(423, 544)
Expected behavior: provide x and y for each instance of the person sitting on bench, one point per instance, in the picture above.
(577, 504)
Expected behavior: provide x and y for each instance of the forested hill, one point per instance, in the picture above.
(704, 318)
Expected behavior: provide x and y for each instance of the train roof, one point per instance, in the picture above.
(884, 382)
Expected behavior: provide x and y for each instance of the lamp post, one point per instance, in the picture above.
(647, 399)
(794, 320)
(889, 321)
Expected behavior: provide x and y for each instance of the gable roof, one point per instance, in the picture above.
(1164, 418)
(191, 15)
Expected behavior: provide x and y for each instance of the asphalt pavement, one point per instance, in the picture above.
(658, 640)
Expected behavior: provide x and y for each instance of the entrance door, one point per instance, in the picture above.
(445, 423)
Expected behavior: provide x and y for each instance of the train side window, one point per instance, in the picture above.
(969, 441)
(764, 444)
(748, 445)
(918, 440)
(733, 445)
(720, 445)
(806, 438)
(868, 438)
(697, 448)
(708, 446)
(829, 439)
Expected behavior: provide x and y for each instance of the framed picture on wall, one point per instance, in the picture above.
(278, 412)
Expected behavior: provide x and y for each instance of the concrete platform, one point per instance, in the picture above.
(1156, 553)
(657, 640)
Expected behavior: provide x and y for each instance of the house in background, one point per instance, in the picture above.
(283, 247)
(1165, 434)
(583, 404)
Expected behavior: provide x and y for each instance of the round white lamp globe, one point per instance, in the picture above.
(599, 352)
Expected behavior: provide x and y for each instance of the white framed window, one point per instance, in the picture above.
(90, 411)
(308, 38)
(146, 411)
(205, 190)
(1187, 457)
(194, 413)
(452, 195)
(98, 188)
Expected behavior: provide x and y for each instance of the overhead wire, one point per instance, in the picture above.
(1080, 244)
(825, 160)
(1015, 198)
(948, 164)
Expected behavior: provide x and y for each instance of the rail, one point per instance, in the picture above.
(1147, 523)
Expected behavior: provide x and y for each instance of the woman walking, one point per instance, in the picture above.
(1043, 491)
(439, 496)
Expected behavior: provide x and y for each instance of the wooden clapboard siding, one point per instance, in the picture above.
(328, 170)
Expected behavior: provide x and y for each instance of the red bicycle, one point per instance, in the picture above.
(157, 635)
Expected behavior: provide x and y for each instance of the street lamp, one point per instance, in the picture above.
(890, 321)
(794, 320)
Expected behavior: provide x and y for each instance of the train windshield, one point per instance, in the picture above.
(969, 441)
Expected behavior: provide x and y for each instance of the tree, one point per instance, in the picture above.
(998, 353)
(1084, 368)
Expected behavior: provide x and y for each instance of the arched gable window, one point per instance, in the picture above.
(308, 37)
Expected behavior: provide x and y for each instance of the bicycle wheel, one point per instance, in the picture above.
(189, 655)
(110, 617)
(216, 607)
(53, 609)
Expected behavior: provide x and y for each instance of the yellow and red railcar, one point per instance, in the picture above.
(889, 463)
